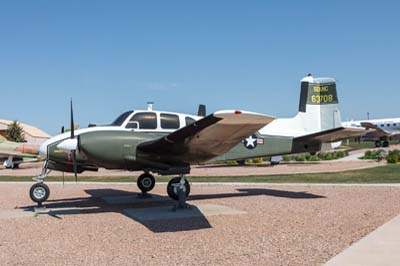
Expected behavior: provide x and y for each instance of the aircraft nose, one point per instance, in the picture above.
(43, 150)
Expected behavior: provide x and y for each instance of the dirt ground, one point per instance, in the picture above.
(282, 225)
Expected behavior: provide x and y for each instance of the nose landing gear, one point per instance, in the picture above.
(40, 192)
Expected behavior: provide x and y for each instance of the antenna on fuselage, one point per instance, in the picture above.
(150, 106)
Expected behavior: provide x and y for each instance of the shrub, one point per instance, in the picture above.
(393, 157)
(257, 160)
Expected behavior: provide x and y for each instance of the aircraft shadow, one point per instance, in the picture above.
(248, 192)
(266, 165)
(95, 203)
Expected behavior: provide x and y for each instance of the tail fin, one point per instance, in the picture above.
(319, 104)
(202, 110)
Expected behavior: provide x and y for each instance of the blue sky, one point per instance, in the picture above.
(111, 56)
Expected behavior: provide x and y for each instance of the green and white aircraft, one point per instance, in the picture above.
(168, 143)
(159, 142)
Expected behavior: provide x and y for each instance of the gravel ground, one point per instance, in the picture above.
(284, 225)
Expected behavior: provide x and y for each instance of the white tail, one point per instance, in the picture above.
(318, 110)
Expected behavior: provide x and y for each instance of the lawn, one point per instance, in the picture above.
(382, 174)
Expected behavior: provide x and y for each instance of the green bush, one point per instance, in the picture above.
(257, 160)
(322, 156)
(374, 154)
(393, 157)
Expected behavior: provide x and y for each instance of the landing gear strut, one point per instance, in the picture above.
(40, 192)
(179, 189)
(146, 183)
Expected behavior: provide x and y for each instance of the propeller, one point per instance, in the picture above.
(73, 152)
(71, 145)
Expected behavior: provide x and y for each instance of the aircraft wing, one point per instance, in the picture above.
(333, 135)
(17, 154)
(206, 138)
(387, 132)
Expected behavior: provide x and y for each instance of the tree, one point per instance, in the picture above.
(15, 132)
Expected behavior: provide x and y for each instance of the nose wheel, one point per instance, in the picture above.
(39, 193)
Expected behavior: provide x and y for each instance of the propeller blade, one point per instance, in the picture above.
(72, 122)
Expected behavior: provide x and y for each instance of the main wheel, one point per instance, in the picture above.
(39, 193)
(385, 144)
(146, 182)
(378, 144)
(172, 188)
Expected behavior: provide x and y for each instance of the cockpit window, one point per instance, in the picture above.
(189, 120)
(121, 119)
(145, 120)
(169, 121)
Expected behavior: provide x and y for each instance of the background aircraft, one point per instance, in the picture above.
(316, 127)
(12, 154)
(381, 130)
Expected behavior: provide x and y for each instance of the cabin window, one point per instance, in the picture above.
(395, 125)
(121, 119)
(382, 125)
(169, 121)
(144, 120)
(189, 120)
(388, 125)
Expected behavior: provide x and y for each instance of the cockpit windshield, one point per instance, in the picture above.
(121, 119)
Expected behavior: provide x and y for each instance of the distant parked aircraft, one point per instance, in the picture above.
(380, 130)
(12, 154)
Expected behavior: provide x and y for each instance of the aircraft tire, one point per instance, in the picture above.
(385, 144)
(172, 189)
(146, 182)
(39, 193)
(378, 144)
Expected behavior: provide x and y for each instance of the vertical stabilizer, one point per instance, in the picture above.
(319, 104)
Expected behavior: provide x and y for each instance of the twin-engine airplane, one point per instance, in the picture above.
(165, 143)
(168, 143)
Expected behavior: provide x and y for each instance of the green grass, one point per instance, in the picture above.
(382, 174)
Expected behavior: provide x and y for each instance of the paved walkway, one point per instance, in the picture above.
(380, 248)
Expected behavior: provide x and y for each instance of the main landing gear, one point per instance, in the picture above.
(146, 183)
(380, 143)
(178, 188)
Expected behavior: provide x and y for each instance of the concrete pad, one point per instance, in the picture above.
(167, 213)
(17, 213)
(57, 211)
(380, 248)
(114, 200)
(23, 213)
